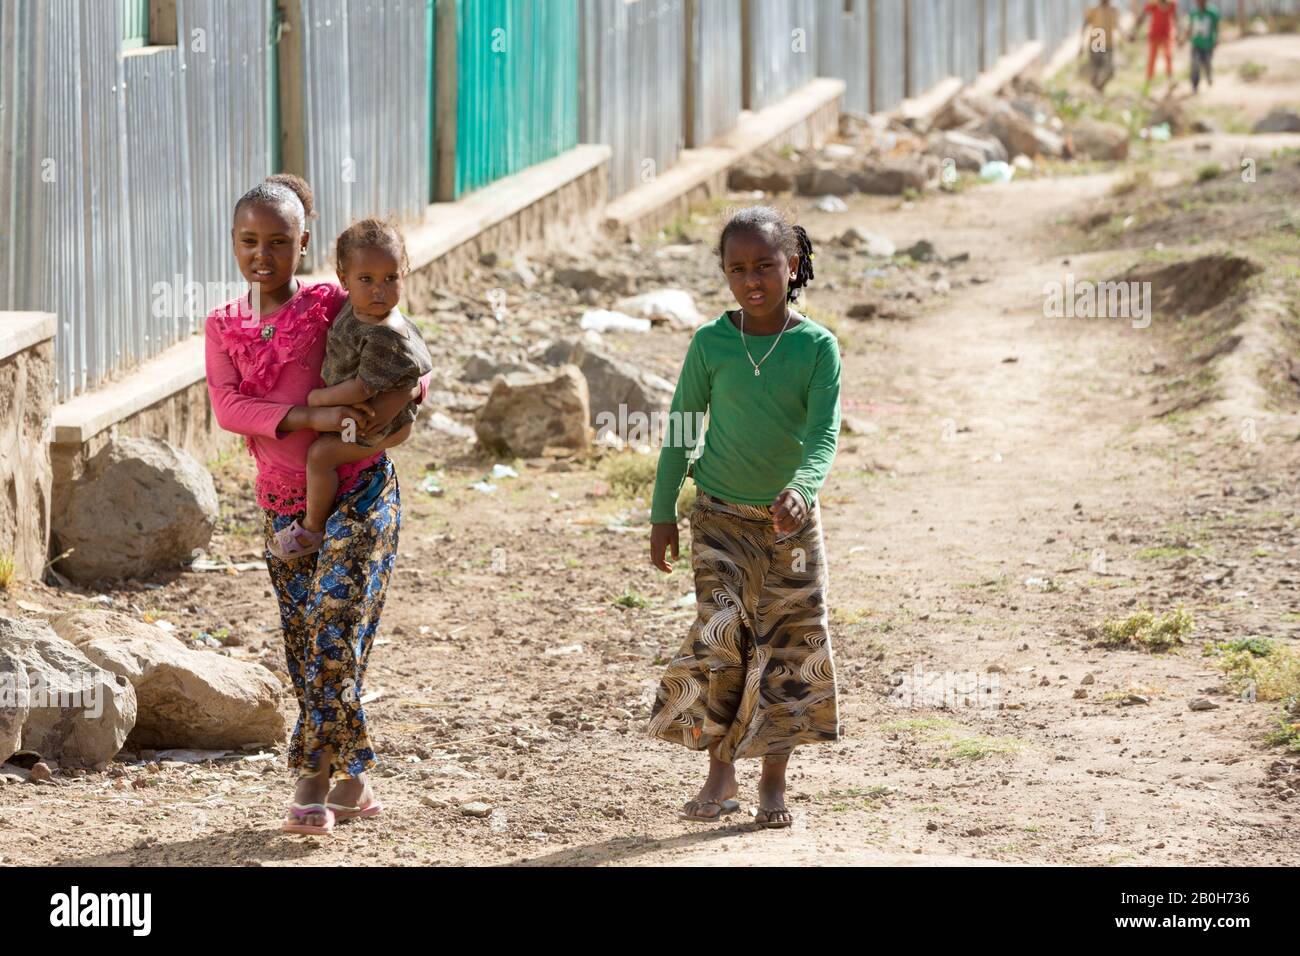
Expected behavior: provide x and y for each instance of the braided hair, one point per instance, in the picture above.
(287, 192)
(371, 234)
(792, 240)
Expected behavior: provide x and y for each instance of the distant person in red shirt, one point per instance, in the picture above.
(1160, 38)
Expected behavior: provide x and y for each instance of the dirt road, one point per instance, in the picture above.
(1010, 486)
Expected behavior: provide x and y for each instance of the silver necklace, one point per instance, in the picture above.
(769, 351)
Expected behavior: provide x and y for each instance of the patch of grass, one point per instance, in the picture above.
(1145, 629)
(1250, 71)
(919, 725)
(1287, 733)
(1268, 668)
(1209, 171)
(1138, 181)
(977, 748)
(6, 570)
(1161, 553)
(631, 599)
(630, 473)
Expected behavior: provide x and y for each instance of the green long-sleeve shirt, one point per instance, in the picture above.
(766, 432)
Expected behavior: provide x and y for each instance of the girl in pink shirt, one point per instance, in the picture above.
(264, 355)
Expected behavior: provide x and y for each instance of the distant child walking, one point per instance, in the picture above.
(755, 676)
(1203, 28)
(1160, 36)
(1100, 25)
(264, 354)
(371, 348)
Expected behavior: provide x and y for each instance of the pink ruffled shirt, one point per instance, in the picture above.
(255, 381)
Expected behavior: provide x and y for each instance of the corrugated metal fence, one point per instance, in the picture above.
(518, 91)
(124, 169)
(844, 49)
(778, 48)
(715, 85)
(365, 130)
(888, 53)
(632, 85)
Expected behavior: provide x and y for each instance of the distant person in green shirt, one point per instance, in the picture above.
(1203, 28)
(754, 677)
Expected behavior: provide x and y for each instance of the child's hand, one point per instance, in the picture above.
(788, 512)
(333, 418)
(313, 398)
(663, 537)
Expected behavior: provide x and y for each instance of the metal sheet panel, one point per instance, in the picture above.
(518, 86)
(781, 55)
(888, 54)
(715, 68)
(843, 45)
(632, 85)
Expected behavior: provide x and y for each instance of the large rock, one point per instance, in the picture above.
(1097, 140)
(1021, 135)
(142, 505)
(612, 384)
(956, 114)
(14, 703)
(482, 367)
(825, 181)
(890, 177)
(967, 150)
(749, 178)
(78, 713)
(184, 697)
(581, 279)
(1279, 121)
(527, 414)
(1170, 111)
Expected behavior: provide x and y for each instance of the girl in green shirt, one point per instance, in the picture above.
(754, 677)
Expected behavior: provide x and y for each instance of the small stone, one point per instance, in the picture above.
(1080, 693)
(476, 809)
(1088, 679)
(40, 773)
(1202, 703)
(1135, 699)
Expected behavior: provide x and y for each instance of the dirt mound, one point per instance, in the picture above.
(1195, 285)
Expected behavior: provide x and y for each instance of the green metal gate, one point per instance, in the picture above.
(518, 86)
(135, 23)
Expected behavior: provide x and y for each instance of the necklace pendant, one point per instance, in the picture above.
(756, 372)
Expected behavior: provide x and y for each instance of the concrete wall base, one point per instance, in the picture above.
(26, 475)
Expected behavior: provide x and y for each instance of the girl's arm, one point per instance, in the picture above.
(241, 414)
(822, 432)
(345, 393)
(690, 402)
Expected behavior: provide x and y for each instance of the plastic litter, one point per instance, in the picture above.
(997, 172)
(831, 204)
(603, 320)
(503, 471)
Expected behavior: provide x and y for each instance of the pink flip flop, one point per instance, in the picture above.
(343, 812)
(301, 811)
(295, 541)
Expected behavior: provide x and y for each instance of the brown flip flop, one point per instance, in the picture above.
(724, 807)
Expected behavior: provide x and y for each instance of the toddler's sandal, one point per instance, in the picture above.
(295, 541)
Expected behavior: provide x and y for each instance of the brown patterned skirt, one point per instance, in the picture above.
(755, 675)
